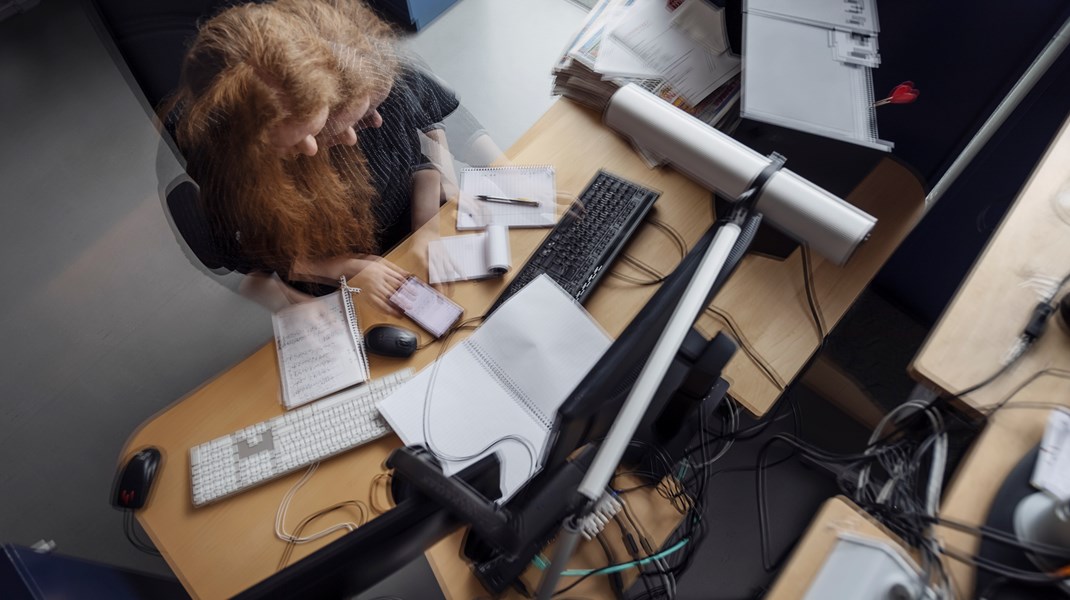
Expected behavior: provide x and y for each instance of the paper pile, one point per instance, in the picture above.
(681, 54)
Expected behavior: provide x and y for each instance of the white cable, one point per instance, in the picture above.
(863, 476)
(280, 515)
(898, 468)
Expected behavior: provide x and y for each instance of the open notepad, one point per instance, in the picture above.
(464, 257)
(320, 348)
(498, 391)
(531, 183)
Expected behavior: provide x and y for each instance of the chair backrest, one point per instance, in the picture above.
(152, 37)
(182, 203)
(148, 41)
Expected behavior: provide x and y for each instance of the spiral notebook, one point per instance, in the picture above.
(472, 256)
(527, 183)
(499, 389)
(319, 347)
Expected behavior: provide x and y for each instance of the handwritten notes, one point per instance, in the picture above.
(316, 350)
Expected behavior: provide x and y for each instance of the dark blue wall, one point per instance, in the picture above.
(964, 57)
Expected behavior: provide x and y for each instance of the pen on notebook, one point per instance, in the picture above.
(501, 200)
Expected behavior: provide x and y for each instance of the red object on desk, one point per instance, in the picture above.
(904, 93)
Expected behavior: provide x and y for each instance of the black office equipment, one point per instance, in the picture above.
(391, 340)
(520, 528)
(535, 512)
(588, 237)
(503, 540)
(134, 481)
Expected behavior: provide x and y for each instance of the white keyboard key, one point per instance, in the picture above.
(272, 448)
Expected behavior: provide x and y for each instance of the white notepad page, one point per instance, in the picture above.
(318, 352)
(792, 79)
(505, 382)
(859, 16)
(527, 182)
(464, 257)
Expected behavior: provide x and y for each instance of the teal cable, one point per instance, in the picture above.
(615, 568)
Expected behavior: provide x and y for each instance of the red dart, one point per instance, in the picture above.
(904, 93)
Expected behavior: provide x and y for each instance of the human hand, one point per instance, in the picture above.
(443, 263)
(377, 279)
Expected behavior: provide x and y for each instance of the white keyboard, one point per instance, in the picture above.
(272, 448)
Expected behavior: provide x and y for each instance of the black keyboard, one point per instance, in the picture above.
(588, 237)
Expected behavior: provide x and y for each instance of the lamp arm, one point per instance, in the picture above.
(635, 406)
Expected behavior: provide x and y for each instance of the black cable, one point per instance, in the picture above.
(681, 247)
(751, 431)
(980, 384)
(1033, 329)
(747, 348)
(811, 297)
(616, 582)
(992, 585)
(1003, 537)
(1053, 372)
(132, 536)
(1019, 575)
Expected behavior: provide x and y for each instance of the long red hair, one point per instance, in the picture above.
(250, 68)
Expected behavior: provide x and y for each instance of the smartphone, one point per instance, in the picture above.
(426, 307)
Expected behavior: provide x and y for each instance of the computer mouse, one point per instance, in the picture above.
(391, 340)
(1064, 312)
(134, 482)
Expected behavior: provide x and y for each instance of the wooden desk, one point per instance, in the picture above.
(221, 549)
(837, 516)
(990, 309)
(965, 347)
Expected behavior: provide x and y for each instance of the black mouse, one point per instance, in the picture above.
(1064, 312)
(134, 482)
(391, 340)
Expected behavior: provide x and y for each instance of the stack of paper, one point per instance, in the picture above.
(465, 257)
(679, 54)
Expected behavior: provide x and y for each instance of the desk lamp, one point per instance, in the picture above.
(804, 211)
(1041, 526)
(1040, 519)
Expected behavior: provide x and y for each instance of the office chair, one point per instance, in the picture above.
(147, 42)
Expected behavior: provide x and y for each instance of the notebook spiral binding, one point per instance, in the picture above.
(509, 168)
(354, 323)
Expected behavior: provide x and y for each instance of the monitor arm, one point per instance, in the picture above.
(502, 541)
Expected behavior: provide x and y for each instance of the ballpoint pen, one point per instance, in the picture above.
(501, 200)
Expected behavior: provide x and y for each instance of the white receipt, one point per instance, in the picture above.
(1051, 473)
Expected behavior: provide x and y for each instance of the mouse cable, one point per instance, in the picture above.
(132, 536)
